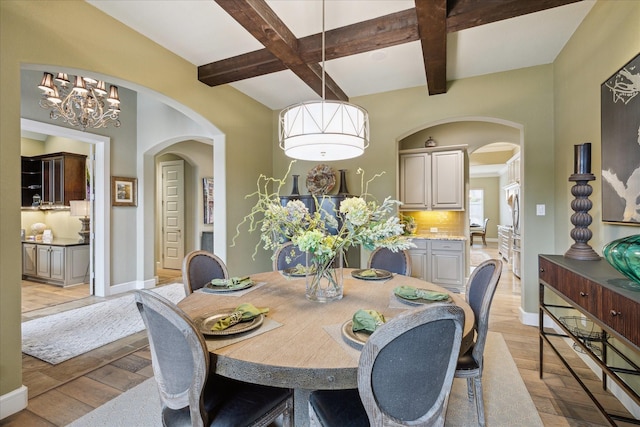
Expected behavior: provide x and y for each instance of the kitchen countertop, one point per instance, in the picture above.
(57, 242)
(437, 236)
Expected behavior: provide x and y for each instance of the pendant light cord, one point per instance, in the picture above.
(323, 57)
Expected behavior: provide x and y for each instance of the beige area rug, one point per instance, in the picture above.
(476, 258)
(507, 402)
(68, 334)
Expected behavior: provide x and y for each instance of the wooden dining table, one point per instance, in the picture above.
(299, 353)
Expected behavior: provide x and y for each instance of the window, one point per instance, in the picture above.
(476, 206)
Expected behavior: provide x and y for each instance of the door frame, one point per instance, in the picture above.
(100, 224)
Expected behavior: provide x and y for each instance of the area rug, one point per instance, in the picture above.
(68, 334)
(507, 402)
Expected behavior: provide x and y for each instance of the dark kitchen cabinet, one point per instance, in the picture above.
(57, 178)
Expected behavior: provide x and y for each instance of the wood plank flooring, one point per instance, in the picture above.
(62, 393)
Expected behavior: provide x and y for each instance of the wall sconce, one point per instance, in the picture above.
(82, 209)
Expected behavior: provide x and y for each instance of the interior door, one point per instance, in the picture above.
(172, 214)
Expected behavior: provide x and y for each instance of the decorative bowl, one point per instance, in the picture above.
(624, 255)
(38, 227)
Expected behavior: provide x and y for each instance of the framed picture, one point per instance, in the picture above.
(620, 121)
(124, 191)
(207, 199)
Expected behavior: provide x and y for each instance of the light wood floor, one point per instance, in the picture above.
(63, 393)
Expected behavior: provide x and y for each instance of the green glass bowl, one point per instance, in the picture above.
(624, 255)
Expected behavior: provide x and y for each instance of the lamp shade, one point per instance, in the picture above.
(324, 130)
(80, 207)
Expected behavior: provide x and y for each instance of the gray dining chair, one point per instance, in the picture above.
(405, 373)
(480, 232)
(398, 262)
(288, 255)
(190, 394)
(199, 267)
(481, 288)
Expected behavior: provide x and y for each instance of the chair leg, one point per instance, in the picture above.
(287, 415)
(470, 388)
(479, 400)
(484, 241)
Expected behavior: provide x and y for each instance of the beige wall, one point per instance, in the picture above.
(492, 195)
(30, 34)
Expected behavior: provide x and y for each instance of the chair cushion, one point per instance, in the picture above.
(466, 362)
(339, 408)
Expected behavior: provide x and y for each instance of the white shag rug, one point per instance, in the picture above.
(506, 399)
(68, 334)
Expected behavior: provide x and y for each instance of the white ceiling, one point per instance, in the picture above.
(201, 32)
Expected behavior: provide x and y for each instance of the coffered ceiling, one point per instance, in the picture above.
(272, 50)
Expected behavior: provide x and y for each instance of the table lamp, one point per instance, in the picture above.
(82, 208)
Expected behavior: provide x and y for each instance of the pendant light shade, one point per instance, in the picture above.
(324, 130)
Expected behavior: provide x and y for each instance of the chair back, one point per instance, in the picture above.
(288, 255)
(396, 262)
(179, 356)
(199, 267)
(481, 288)
(484, 226)
(416, 345)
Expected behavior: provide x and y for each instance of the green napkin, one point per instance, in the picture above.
(410, 292)
(242, 313)
(301, 269)
(367, 320)
(231, 283)
(368, 273)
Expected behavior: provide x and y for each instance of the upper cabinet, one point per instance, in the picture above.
(432, 180)
(56, 178)
(513, 170)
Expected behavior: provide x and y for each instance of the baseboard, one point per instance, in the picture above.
(532, 319)
(14, 401)
(132, 286)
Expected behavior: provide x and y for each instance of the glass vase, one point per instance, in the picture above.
(326, 284)
(624, 255)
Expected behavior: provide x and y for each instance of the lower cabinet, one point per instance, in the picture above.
(440, 262)
(57, 265)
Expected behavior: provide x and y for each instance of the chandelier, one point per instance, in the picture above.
(323, 130)
(84, 104)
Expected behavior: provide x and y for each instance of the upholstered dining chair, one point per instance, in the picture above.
(396, 262)
(480, 232)
(481, 288)
(292, 252)
(199, 267)
(189, 393)
(394, 366)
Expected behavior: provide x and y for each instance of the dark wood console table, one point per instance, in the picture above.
(607, 328)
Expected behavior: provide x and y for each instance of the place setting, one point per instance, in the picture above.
(374, 274)
(226, 326)
(298, 271)
(353, 334)
(409, 295)
(233, 286)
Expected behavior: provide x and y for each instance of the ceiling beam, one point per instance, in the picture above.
(432, 27)
(377, 33)
(262, 22)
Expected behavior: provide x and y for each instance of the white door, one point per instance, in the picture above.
(172, 214)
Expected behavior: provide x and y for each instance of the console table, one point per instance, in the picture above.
(608, 329)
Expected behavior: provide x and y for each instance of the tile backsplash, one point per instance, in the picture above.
(447, 222)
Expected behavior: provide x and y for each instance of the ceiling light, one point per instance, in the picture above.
(83, 104)
(324, 130)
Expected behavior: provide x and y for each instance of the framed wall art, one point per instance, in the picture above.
(620, 121)
(124, 191)
(207, 199)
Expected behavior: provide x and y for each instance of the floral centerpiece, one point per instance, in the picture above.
(324, 236)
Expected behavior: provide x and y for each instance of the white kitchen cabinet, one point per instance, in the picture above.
(432, 180)
(504, 241)
(55, 264)
(439, 261)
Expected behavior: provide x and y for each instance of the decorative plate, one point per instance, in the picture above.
(221, 289)
(206, 322)
(358, 338)
(421, 301)
(321, 180)
(293, 272)
(380, 274)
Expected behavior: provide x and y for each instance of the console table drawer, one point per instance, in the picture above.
(578, 289)
(621, 314)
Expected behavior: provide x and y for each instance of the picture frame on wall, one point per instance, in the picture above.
(620, 121)
(124, 191)
(207, 200)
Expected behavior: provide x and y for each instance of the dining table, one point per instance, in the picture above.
(301, 344)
